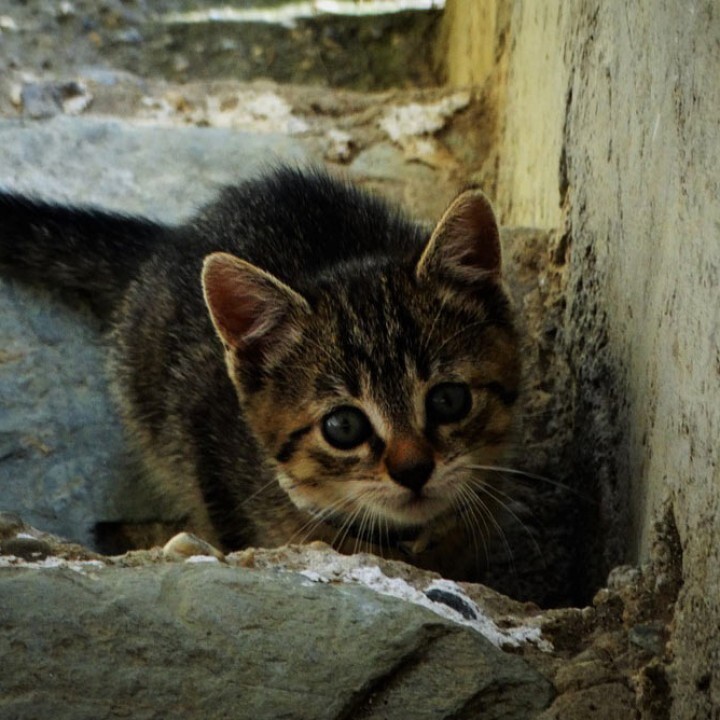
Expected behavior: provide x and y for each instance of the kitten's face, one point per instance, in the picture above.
(392, 394)
(380, 391)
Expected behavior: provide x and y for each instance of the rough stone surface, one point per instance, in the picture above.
(206, 640)
(139, 610)
(610, 135)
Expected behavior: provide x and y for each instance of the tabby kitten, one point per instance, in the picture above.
(301, 362)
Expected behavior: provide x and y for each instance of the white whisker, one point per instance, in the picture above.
(532, 476)
(463, 510)
(497, 495)
(454, 335)
(486, 512)
(317, 519)
(428, 337)
(345, 528)
(261, 489)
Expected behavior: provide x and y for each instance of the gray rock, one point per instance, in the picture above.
(162, 172)
(211, 641)
(63, 462)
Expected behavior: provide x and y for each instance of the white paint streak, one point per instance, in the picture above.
(288, 14)
(51, 563)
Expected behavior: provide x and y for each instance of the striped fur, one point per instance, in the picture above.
(315, 296)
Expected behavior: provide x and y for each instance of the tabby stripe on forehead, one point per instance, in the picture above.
(290, 445)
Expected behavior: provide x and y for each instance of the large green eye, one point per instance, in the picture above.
(447, 403)
(346, 427)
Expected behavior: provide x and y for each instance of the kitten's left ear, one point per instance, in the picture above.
(254, 312)
(466, 242)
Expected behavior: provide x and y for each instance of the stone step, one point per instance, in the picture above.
(206, 640)
(366, 45)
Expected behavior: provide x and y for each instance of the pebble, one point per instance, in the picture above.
(452, 601)
(186, 545)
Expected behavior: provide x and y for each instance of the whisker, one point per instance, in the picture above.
(428, 337)
(470, 527)
(261, 489)
(468, 327)
(497, 495)
(316, 519)
(485, 510)
(387, 533)
(476, 515)
(361, 530)
(345, 528)
(371, 530)
(532, 476)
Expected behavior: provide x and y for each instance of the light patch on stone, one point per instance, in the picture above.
(77, 98)
(401, 122)
(202, 559)
(264, 112)
(7, 23)
(372, 577)
(51, 563)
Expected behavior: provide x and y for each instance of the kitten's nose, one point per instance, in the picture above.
(410, 463)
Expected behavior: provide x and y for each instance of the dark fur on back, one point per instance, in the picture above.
(235, 438)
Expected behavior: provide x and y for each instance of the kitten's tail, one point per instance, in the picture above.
(89, 250)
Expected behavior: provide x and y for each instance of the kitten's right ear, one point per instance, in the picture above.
(466, 242)
(251, 309)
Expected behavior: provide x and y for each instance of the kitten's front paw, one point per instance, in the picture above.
(185, 545)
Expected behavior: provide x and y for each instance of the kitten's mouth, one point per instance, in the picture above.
(413, 509)
(391, 535)
(408, 524)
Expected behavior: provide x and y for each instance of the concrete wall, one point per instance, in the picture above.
(611, 131)
(467, 50)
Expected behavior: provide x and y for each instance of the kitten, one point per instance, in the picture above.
(300, 361)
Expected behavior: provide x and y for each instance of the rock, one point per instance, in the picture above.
(165, 173)
(186, 545)
(207, 640)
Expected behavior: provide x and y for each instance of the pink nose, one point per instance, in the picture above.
(410, 462)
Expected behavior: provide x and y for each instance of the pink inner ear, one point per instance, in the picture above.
(466, 241)
(478, 235)
(243, 304)
(241, 317)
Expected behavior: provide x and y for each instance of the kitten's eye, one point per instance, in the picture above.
(346, 428)
(448, 403)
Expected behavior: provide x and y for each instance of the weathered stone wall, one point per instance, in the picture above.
(610, 132)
